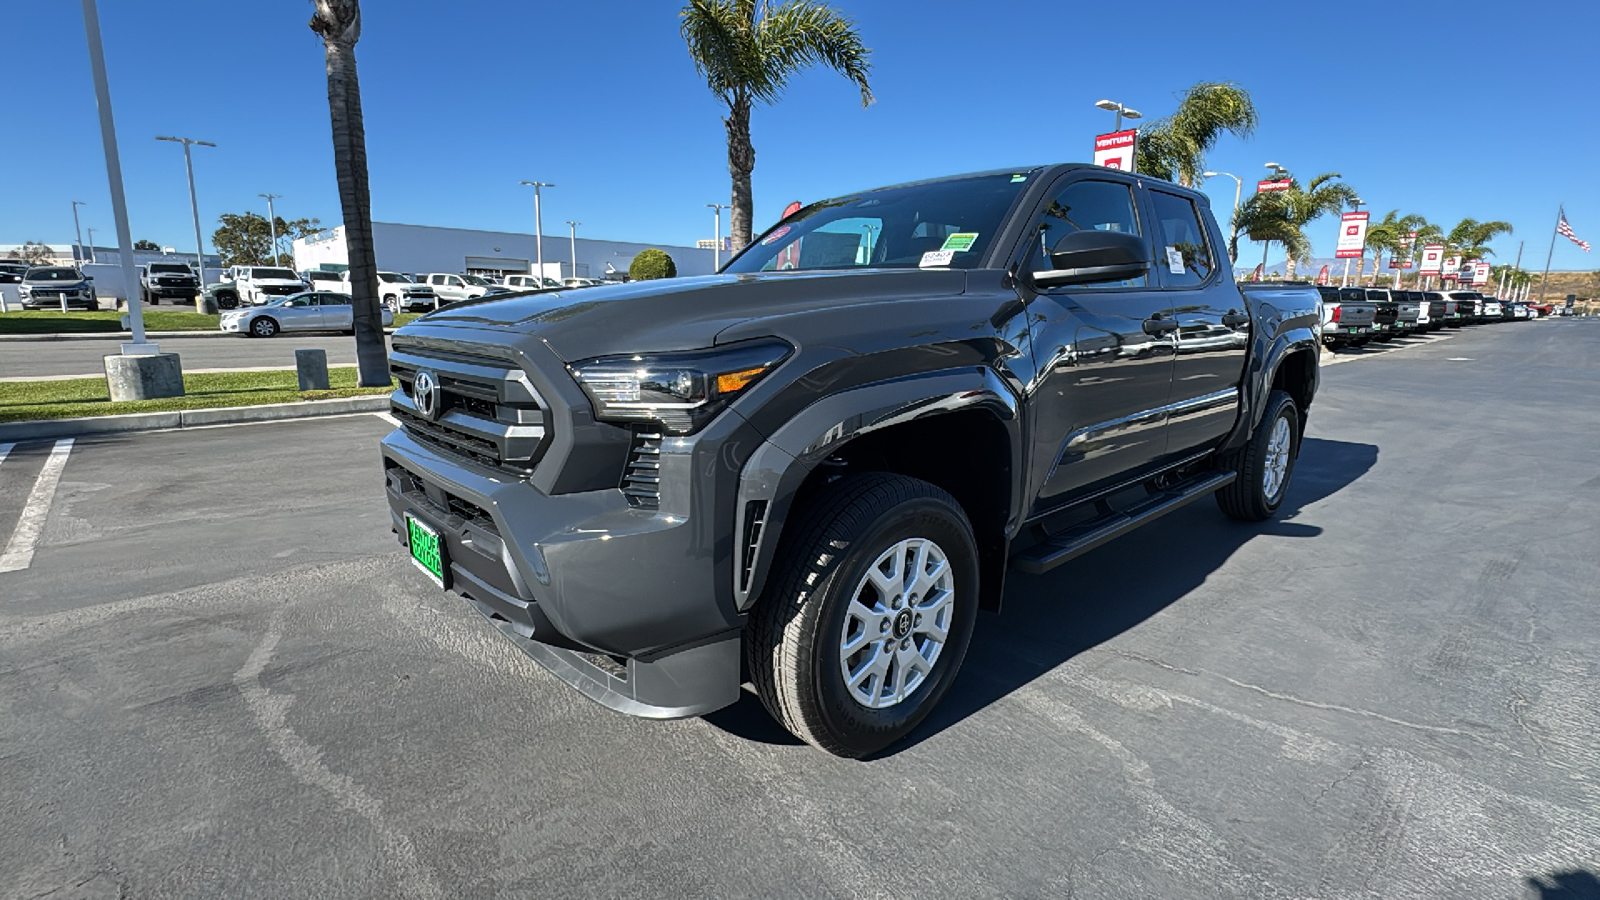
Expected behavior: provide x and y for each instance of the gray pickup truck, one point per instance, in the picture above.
(167, 281)
(818, 465)
(1347, 318)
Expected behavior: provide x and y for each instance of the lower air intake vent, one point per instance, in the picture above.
(755, 519)
(642, 481)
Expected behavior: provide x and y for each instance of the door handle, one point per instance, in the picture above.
(1233, 318)
(1159, 325)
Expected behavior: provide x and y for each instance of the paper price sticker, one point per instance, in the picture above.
(937, 258)
(1175, 261)
(962, 240)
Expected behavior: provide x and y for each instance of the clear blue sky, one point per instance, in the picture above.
(1426, 107)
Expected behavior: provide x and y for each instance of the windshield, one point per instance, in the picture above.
(174, 268)
(284, 301)
(473, 279)
(390, 278)
(323, 276)
(941, 223)
(53, 275)
(278, 274)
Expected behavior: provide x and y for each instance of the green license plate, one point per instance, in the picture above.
(426, 550)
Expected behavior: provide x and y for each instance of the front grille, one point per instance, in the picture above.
(641, 482)
(280, 289)
(488, 411)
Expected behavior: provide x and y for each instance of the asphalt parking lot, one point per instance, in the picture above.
(219, 678)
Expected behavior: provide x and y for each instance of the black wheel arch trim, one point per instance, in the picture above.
(774, 473)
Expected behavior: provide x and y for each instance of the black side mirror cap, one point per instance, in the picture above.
(1092, 257)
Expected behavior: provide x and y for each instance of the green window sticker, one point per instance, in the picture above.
(1018, 178)
(961, 240)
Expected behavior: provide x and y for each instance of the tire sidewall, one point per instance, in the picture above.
(1283, 407)
(867, 729)
(272, 328)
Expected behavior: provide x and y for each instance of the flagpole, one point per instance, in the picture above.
(1544, 282)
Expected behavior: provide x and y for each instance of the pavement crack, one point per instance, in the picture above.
(305, 763)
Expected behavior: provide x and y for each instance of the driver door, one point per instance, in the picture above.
(1103, 352)
(301, 314)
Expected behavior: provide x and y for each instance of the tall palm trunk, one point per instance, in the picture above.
(1288, 268)
(1361, 266)
(338, 23)
(741, 162)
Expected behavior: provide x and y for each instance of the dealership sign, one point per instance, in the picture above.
(1452, 268)
(1115, 150)
(1270, 185)
(1352, 236)
(1432, 258)
(1480, 273)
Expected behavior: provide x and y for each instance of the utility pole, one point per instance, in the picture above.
(91, 245)
(78, 231)
(194, 205)
(574, 238)
(538, 225)
(272, 225)
(716, 254)
(1544, 280)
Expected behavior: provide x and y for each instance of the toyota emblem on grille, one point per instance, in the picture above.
(425, 391)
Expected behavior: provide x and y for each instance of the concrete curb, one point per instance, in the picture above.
(124, 336)
(12, 432)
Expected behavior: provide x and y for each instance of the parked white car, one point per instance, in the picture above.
(321, 280)
(452, 288)
(305, 311)
(260, 284)
(530, 283)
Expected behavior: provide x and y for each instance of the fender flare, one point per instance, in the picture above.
(1262, 375)
(773, 474)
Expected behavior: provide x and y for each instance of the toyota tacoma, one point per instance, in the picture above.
(815, 467)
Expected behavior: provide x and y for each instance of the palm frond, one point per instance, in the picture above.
(803, 33)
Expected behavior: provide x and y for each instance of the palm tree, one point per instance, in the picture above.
(748, 50)
(1282, 216)
(1264, 217)
(1470, 238)
(338, 23)
(1390, 235)
(1174, 148)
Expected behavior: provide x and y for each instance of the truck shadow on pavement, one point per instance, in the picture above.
(1049, 619)
(1576, 884)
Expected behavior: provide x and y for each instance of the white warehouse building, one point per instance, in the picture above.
(419, 249)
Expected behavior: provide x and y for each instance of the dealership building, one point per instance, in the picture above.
(419, 249)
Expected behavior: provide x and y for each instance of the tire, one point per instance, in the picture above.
(263, 327)
(796, 641)
(1265, 464)
(94, 306)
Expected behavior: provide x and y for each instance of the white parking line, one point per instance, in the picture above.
(1412, 341)
(388, 418)
(19, 552)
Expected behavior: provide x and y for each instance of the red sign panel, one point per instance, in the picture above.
(1270, 185)
(1115, 150)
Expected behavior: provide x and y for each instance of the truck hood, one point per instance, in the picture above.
(683, 313)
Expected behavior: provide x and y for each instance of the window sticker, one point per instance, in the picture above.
(1016, 179)
(775, 235)
(1175, 261)
(960, 241)
(937, 258)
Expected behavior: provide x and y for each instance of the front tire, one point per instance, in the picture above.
(867, 614)
(1265, 463)
(263, 327)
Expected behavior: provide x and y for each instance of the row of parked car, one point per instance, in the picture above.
(398, 292)
(1353, 316)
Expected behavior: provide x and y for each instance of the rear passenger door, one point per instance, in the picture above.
(1213, 323)
(337, 313)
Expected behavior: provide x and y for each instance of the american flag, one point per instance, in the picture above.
(1565, 230)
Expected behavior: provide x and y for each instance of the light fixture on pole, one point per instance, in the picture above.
(1278, 172)
(78, 231)
(538, 225)
(1123, 111)
(716, 254)
(574, 237)
(91, 245)
(194, 205)
(272, 224)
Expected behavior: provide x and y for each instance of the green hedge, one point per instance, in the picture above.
(652, 263)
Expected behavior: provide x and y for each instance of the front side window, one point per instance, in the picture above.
(1183, 253)
(1086, 206)
(949, 223)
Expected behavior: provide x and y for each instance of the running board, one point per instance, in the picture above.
(1082, 538)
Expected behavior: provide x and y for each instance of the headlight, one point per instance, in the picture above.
(681, 391)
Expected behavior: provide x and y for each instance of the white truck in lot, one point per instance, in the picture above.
(529, 283)
(396, 292)
(258, 285)
(452, 288)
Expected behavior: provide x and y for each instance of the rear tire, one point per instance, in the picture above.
(844, 646)
(1265, 464)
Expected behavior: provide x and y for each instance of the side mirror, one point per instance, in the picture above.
(1092, 257)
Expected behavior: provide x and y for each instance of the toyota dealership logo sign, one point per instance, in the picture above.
(1352, 236)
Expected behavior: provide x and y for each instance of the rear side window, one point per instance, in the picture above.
(334, 299)
(1182, 251)
(1086, 206)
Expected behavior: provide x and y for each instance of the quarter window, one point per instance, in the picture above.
(1184, 254)
(1086, 206)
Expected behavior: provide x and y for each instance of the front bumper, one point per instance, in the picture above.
(615, 601)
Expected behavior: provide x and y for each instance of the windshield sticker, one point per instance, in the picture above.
(962, 240)
(775, 235)
(1018, 178)
(1175, 260)
(937, 258)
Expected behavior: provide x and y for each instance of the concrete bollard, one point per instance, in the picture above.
(144, 377)
(205, 304)
(312, 367)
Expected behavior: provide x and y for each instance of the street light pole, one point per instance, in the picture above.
(1355, 206)
(538, 224)
(76, 230)
(194, 205)
(272, 223)
(91, 245)
(1266, 245)
(716, 254)
(574, 237)
(1120, 110)
(1238, 188)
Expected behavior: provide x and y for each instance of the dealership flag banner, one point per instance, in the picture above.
(1352, 236)
(1323, 277)
(1263, 187)
(1115, 150)
(1432, 258)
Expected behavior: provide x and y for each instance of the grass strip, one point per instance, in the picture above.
(26, 401)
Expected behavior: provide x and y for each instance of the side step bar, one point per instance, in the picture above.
(1082, 538)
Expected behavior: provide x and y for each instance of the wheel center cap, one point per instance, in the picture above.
(902, 624)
